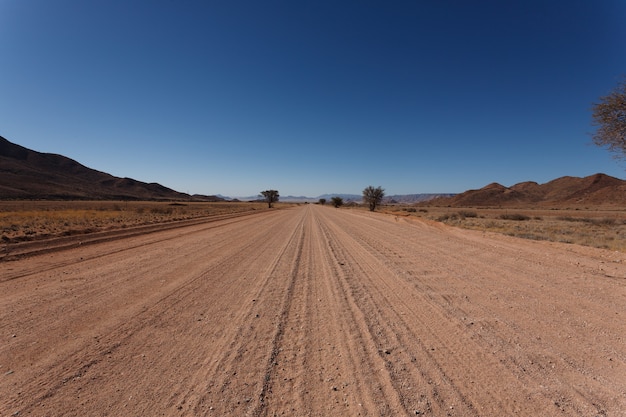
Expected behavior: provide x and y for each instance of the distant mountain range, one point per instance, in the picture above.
(27, 174)
(594, 190)
(393, 199)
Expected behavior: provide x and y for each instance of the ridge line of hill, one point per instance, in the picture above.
(596, 189)
(28, 174)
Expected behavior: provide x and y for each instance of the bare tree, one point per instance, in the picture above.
(610, 117)
(373, 196)
(271, 196)
(337, 201)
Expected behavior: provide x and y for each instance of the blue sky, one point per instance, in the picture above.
(235, 97)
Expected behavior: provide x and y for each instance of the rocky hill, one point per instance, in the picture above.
(594, 190)
(27, 174)
(413, 198)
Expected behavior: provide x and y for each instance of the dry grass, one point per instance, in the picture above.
(31, 220)
(600, 228)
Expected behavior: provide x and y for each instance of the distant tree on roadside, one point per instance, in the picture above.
(322, 201)
(271, 196)
(609, 114)
(373, 196)
(337, 201)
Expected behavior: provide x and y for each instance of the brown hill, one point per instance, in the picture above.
(27, 174)
(595, 190)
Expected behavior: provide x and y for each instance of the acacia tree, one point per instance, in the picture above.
(337, 201)
(609, 114)
(373, 196)
(271, 196)
(322, 201)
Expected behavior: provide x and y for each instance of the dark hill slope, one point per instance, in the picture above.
(28, 174)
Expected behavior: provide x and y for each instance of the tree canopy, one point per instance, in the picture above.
(373, 196)
(609, 114)
(337, 201)
(271, 196)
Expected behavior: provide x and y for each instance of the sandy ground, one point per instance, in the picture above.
(314, 311)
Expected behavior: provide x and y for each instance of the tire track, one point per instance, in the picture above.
(328, 349)
(146, 316)
(391, 269)
(241, 374)
(277, 339)
(533, 357)
(385, 394)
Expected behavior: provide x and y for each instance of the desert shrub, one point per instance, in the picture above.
(161, 210)
(467, 213)
(597, 222)
(569, 219)
(528, 235)
(516, 217)
(411, 210)
(337, 201)
(604, 222)
(448, 217)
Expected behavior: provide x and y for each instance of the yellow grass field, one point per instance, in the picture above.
(33, 220)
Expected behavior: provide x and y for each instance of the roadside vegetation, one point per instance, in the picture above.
(595, 227)
(373, 197)
(337, 201)
(32, 220)
(609, 115)
(270, 196)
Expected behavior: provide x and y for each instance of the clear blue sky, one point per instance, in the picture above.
(313, 97)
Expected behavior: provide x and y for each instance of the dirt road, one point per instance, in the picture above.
(313, 311)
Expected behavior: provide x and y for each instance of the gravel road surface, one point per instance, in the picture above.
(314, 311)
